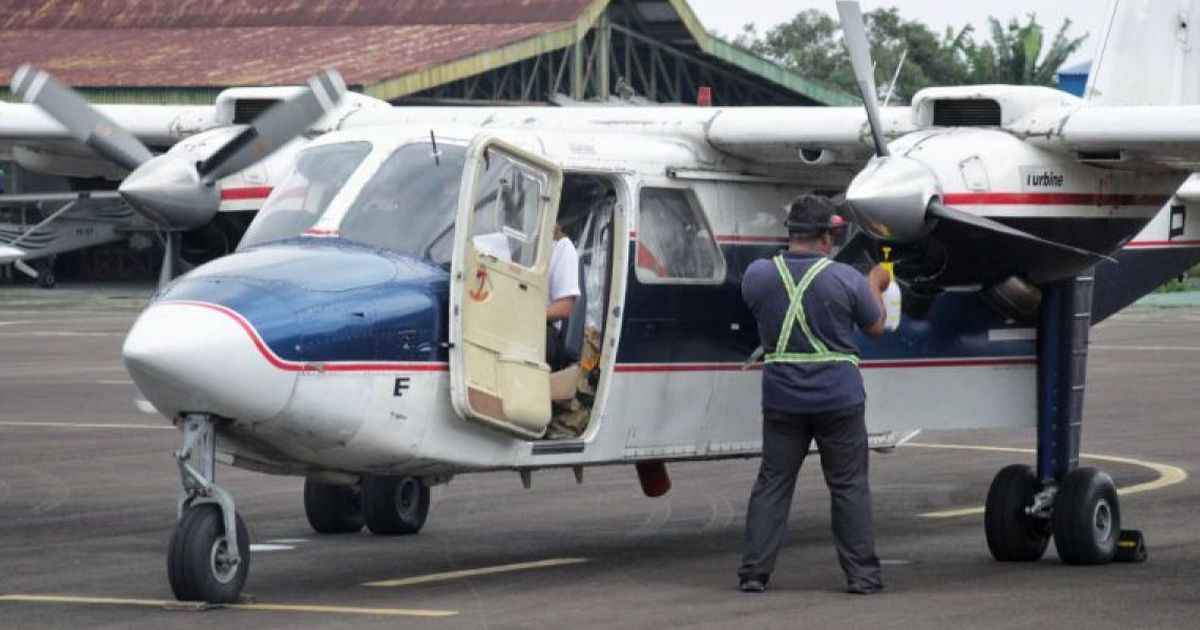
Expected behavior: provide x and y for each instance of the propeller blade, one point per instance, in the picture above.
(855, 33)
(275, 127)
(84, 122)
(946, 213)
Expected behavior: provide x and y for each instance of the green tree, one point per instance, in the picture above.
(1015, 55)
(811, 45)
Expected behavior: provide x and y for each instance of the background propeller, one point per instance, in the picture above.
(173, 191)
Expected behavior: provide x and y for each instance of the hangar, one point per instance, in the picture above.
(466, 51)
(407, 52)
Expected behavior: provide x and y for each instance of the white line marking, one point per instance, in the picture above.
(457, 575)
(60, 333)
(1167, 475)
(270, 547)
(166, 604)
(287, 541)
(115, 382)
(83, 425)
(1148, 348)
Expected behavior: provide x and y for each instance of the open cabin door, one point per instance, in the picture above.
(503, 238)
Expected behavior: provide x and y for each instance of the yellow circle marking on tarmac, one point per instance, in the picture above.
(1167, 475)
(466, 573)
(166, 605)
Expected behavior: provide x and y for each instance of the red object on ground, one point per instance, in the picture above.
(655, 480)
(704, 98)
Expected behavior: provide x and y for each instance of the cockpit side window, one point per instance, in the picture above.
(410, 204)
(297, 203)
(508, 210)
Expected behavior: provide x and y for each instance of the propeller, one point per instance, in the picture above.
(854, 31)
(171, 190)
(896, 199)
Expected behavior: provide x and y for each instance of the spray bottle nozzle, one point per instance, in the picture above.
(887, 263)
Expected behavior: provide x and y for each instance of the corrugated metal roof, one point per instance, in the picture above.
(391, 48)
(196, 57)
(109, 14)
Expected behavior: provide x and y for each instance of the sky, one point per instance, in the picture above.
(726, 17)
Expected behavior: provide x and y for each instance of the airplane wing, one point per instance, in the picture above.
(39, 143)
(811, 136)
(1145, 136)
(9, 254)
(53, 197)
(1141, 137)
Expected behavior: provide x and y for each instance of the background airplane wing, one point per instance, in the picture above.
(39, 143)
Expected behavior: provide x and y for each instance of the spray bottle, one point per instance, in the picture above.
(891, 297)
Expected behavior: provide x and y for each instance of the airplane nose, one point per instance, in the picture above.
(205, 358)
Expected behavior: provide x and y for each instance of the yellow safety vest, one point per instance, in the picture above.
(795, 316)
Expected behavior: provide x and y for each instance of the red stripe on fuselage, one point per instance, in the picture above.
(1051, 199)
(242, 194)
(640, 368)
(297, 366)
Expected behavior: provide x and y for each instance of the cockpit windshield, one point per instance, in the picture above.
(298, 202)
(410, 204)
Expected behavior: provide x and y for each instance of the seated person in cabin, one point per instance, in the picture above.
(563, 291)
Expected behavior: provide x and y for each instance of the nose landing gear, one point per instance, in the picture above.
(209, 556)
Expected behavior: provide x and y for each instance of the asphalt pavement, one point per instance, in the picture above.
(88, 490)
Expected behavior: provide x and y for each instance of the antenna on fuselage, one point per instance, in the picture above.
(895, 77)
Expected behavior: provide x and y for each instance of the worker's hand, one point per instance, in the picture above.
(879, 278)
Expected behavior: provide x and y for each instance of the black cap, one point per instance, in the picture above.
(810, 215)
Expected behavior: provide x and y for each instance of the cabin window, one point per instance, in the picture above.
(674, 241)
(409, 204)
(297, 202)
(508, 210)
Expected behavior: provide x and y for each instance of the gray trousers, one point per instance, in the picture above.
(842, 439)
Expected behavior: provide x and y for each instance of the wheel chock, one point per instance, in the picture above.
(1131, 546)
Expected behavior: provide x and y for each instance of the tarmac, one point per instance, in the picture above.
(88, 491)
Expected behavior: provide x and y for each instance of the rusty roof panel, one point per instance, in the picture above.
(142, 14)
(202, 57)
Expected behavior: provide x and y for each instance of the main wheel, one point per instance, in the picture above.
(394, 505)
(1013, 535)
(1087, 517)
(46, 279)
(332, 509)
(198, 563)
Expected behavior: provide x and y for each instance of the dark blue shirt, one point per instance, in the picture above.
(838, 299)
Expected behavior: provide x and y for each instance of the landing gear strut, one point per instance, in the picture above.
(209, 556)
(1078, 506)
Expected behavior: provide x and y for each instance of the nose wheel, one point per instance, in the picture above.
(209, 556)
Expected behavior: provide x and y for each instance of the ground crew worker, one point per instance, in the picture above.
(807, 307)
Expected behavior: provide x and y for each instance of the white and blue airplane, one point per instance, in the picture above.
(371, 335)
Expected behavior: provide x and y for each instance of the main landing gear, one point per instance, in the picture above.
(389, 505)
(1077, 506)
(209, 556)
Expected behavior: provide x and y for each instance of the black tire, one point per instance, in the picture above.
(193, 562)
(394, 505)
(1087, 517)
(332, 509)
(1013, 535)
(46, 279)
